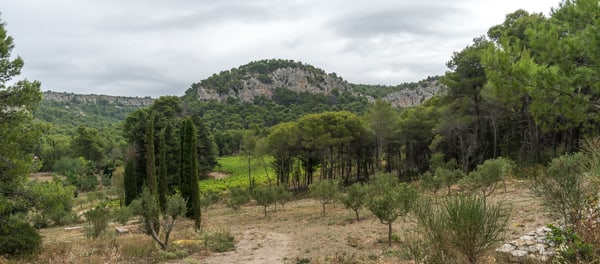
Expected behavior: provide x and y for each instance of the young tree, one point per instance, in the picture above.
(324, 191)
(175, 209)
(355, 198)
(236, 198)
(389, 200)
(264, 196)
(487, 175)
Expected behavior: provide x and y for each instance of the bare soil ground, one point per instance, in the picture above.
(300, 233)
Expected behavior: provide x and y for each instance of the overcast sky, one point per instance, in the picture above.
(160, 47)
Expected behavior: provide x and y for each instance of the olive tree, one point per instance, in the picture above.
(389, 200)
(324, 191)
(354, 198)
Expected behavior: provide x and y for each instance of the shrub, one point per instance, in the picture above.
(571, 248)
(18, 238)
(122, 214)
(566, 189)
(463, 224)
(98, 219)
(220, 241)
(487, 175)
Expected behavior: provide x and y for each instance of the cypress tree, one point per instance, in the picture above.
(130, 177)
(189, 171)
(162, 170)
(150, 157)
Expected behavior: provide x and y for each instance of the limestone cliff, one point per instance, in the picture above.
(65, 98)
(261, 78)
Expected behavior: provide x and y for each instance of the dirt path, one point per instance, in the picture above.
(255, 246)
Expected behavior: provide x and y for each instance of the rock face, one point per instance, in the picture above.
(261, 78)
(414, 97)
(294, 79)
(96, 99)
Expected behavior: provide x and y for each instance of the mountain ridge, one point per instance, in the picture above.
(262, 78)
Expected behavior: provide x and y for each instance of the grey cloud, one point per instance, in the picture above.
(414, 20)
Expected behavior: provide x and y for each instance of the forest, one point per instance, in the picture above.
(520, 102)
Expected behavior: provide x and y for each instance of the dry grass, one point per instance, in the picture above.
(297, 233)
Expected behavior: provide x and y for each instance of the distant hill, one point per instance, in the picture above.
(263, 78)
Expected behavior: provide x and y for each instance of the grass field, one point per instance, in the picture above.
(236, 169)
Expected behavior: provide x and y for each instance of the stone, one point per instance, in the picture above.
(506, 248)
(121, 230)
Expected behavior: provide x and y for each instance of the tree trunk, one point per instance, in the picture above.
(390, 234)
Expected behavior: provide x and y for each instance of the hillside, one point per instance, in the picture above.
(263, 78)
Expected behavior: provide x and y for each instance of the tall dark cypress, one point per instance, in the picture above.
(150, 157)
(162, 170)
(130, 177)
(189, 171)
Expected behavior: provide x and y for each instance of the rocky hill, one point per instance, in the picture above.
(65, 98)
(261, 78)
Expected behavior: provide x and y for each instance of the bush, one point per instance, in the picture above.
(98, 219)
(122, 214)
(52, 203)
(571, 248)
(220, 241)
(282, 195)
(18, 238)
(566, 189)
(462, 225)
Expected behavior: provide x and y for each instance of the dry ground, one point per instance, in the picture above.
(299, 233)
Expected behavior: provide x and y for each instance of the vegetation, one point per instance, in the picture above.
(523, 95)
(462, 227)
(324, 192)
(389, 200)
(19, 133)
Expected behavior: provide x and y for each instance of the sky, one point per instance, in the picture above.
(160, 47)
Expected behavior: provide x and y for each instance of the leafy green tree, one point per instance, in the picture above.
(88, 144)
(382, 119)
(389, 200)
(52, 202)
(324, 192)
(355, 198)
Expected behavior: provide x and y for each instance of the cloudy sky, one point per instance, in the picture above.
(160, 47)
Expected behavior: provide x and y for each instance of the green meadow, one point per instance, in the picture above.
(236, 169)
